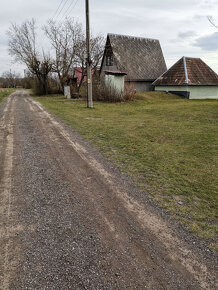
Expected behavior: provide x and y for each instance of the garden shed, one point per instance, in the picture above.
(141, 58)
(114, 81)
(191, 78)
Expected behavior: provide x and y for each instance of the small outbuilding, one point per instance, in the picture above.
(70, 83)
(114, 81)
(141, 58)
(191, 78)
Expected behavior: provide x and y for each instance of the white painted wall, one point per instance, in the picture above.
(115, 82)
(67, 93)
(196, 92)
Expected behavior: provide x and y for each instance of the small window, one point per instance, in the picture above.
(109, 60)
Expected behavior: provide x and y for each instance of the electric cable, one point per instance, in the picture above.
(69, 7)
(58, 8)
(62, 8)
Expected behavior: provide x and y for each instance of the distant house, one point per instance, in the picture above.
(140, 58)
(80, 75)
(191, 78)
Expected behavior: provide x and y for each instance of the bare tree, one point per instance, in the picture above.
(97, 49)
(65, 38)
(22, 46)
(69, 42)
(11, 79)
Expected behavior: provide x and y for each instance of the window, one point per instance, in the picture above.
(109, 60)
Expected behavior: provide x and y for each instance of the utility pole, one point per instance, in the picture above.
(88, 60)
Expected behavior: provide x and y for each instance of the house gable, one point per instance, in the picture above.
(108, 60)
(141, 58)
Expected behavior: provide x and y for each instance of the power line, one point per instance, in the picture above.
(69, 7)
(58, 8)
(73, 7)
(62, 8)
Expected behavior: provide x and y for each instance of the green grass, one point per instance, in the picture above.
(167, 144)
(4, 93)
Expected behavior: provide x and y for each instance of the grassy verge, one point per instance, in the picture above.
(4, 93)
(167, 144)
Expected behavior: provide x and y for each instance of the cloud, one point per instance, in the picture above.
(187, 34)
(208, 43)
(177, 24)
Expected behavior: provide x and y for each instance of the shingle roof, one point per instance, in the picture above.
(140, 58)
(188, 71)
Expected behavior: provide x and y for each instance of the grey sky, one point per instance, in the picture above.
(208, 43)
(181, 26)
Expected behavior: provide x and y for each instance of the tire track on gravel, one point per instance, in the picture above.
(176, 248)
(6, 127)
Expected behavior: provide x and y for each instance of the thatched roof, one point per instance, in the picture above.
(188, 71)
(140, 58)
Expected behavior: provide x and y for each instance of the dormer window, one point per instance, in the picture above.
(109, 60)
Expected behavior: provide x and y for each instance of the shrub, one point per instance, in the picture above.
(104, 93)
(37, 88)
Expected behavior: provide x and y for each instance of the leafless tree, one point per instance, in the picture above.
(97, 49)
(65, 38)
(11, 79)
(69, 42)
(22, 46)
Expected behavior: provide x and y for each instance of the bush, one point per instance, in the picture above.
(104, 93)
(37, 88)
(55, 90)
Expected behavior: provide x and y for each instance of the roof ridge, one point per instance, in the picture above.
(189, 57)
(130, 36)
(185, 69)
(168, 69)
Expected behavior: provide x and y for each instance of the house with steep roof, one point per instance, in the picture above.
(191, 78)
(141, 59)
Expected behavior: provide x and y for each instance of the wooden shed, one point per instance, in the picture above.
(141, 58)
(114, 80)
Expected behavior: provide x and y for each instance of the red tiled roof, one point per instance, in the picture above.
(188, 71)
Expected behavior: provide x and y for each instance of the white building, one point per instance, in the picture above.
(191, 78)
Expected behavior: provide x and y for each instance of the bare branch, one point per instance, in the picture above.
(22, 46)
(211, 20)
(64, 39)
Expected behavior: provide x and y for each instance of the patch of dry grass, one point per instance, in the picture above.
(4, 93)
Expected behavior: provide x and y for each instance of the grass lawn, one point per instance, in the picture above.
(167, 144)
(4, 93)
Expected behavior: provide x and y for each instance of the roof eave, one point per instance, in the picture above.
(171, 85)
(139, 80)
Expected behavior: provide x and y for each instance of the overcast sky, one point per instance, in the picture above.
(181, 26)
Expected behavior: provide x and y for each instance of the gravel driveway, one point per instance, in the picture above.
(70, 220)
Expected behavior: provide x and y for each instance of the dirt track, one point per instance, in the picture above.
(69, 220)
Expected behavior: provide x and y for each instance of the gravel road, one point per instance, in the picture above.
(70, 220)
